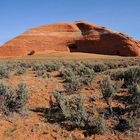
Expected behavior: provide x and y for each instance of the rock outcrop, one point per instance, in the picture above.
(71, 37)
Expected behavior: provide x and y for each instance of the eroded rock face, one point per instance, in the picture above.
(71, 37)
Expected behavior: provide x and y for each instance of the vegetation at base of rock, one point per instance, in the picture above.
(20, 70)
(76, 76)
(95, 96)
(4, 72)
(55, 66)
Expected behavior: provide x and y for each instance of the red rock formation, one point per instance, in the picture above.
(71, 37)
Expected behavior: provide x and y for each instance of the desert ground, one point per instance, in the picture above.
(70, 96)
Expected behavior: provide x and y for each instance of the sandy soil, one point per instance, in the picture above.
(33, 124)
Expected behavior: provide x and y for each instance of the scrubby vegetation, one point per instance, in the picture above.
(109, 87)
(20, 70)
(76, 76)
(72, 108)
(54, 66)
(92, 96)
(12, 100)
(4, 72)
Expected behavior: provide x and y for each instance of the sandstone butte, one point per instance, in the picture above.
(79, 36)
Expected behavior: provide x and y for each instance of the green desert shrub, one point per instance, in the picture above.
(37, 66)
(132, 75)
(4, 72)
(72, 65)
(117, 64)
(112, 65)
(72, 85)
(76, 77)
(43, 73)
(24, 64)
(67, 74)
(134, 122)
(89, 65)
(83, 70)
(100, 67)
(22, 95)
(39, 69)
(87, 80)
(134, 89)
(100, 127)
(20, 70)
(123, 64)
(11, 66)
(117, 74)
(39, 72)
(109, 87)
(129, 75)
(71, 81)
(134, 98)
(53, 66)
(73, 109)
(58, 95)
(12, 100)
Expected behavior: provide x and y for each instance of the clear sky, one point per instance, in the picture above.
(16, 16)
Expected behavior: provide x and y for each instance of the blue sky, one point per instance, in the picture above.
(16, 16)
